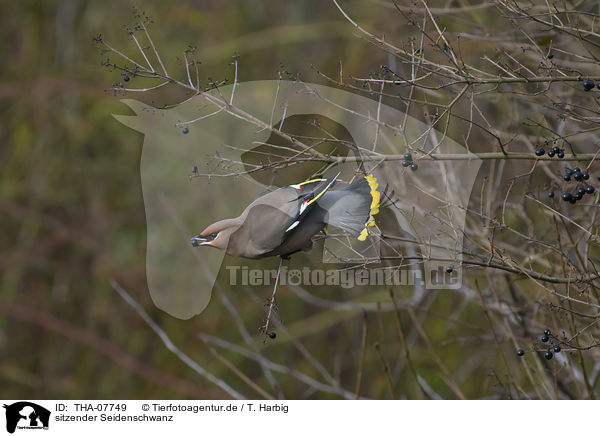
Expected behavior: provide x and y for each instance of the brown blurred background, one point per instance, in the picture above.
(73, 219)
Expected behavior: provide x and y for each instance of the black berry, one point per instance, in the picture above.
(588, 85)
(520, 352)
(414, 166)
(585, 175)
(550, 194)
(548, 355)
(550, 56)
(576, 170)
(405, 163)
(578, 176)
(567, 177)
(407, 156)
(590, 189)
(546, 331)
(560, 154)
(449, 269)
(557, 348)
(556, 149)
(578, 196)
(581, 191)
(551, 153)
(540, 152)
(566, 196)
(272, 335)
(126, 77)
(185, 130)
(572, 200)
(544, 338)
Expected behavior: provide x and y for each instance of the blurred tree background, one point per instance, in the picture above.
(73, 219)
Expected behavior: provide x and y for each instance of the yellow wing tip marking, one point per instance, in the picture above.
(374, 209)
(310, 181)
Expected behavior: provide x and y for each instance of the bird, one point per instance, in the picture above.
(284, 221)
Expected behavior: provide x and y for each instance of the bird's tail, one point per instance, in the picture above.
(353, 208)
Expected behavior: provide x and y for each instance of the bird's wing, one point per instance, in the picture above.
(308, 194)
(262, 231)
(269, 219)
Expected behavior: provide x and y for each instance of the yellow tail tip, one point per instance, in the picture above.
(374, 209)
(376, 196)
(363, 235)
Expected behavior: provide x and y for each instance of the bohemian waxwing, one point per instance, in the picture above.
(284, 221)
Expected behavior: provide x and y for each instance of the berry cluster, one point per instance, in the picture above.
(579, 176)
(588, 85)
(546, 337)
(408, 162)
(554, 151)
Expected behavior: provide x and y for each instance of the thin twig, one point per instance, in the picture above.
(172, 347)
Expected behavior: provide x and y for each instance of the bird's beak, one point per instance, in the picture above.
(199, 240)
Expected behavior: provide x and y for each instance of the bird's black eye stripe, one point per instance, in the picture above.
(209, 237)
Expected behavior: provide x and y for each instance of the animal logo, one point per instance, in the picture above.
(200, 163)
(294, 277)
(26, 415)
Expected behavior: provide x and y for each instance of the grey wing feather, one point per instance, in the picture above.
(263, 229)
(266, 219)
